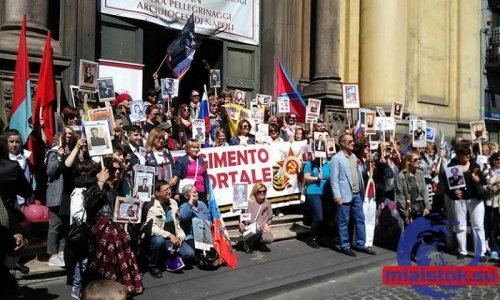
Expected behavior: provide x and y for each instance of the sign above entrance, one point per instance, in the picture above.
(235, 20)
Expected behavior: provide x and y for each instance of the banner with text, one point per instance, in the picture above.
(235, 20)
(277, 167)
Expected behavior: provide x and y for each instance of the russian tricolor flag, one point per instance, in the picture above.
(20, 112)
(286, 88)
(203, 114)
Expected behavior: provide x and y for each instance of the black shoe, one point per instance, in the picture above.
(483, 259)
(155, 272)
(313, 243)
(367, 250)
(22, 268)
(461, 256)
(348, 252)
(264, 248)
(247, 248)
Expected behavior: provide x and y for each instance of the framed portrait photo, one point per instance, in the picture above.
(215, 79)
(397, 110)
(105, 89)
(264, 99)
(202, 234)
(137, 113)
(455, 177)
(380, 111)
(127, 210)
(240, 196)
(283, 105)
(169, 86)
(88, 74)
(98, 138)
(430, 134)
(370, 118)
(350, 95)
(313, 110)
(320, 144)
(478, 131)
(419, 133)
(143, 184)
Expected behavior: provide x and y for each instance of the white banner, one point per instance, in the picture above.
(234, 20)
(277, 167)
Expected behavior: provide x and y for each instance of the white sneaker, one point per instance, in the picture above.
(75, 293)
(56, 260)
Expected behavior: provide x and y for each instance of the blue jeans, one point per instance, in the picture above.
(80, 267)
(158, 250)
(317, 213)
(344, 211)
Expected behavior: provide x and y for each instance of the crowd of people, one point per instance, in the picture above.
(409, 183)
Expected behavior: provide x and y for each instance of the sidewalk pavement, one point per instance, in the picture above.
(291, 264)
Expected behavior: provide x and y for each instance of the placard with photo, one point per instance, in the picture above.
(198, 130)
(88, 74)
(215, 79)
(89, 100)
(419, 133)
(320, 144)
(105, 89)
(430, 134)
(98, 138)
(350, 95)
(370, 118)
(478, 131)
(137, 113)
(283, 105)
(306, 153)
(312, 110)
(103, 114)
(264, 99)
(169, 86)
(380, 111)
(258, 113)
(240, 196)
(330, 147)
(397, 110)
(144, 181)
(455, 177)
(385, 123)
(202, 234)
(127, 210)
(76, 97)
(240, 98)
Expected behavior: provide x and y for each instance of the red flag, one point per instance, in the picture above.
(223, 246)
(286, 88)
(45, 94)
(20, 112)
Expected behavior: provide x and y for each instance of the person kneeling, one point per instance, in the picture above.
(166, 233)
(261, 214)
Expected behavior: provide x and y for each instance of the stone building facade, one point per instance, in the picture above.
(424, 53)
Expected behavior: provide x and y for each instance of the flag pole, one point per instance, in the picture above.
(161, 64)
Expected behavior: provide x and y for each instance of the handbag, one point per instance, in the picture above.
(187, 181)
(78, 237)
(252, 228)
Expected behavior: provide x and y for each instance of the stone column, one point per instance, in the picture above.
(306, 44)
(383, 61)
(326, 81)
(36, 12)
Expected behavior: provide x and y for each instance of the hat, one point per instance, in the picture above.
(164, 126)
(321, 121)
(120, 98)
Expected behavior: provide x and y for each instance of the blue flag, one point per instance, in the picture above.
(181, 51)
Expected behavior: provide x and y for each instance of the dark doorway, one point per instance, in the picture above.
(156, 41)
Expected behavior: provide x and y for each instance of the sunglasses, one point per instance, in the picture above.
(273, 131)
(349, 141)
(293, 118)
(196, 96)
(261, 192)
(156, 114)
(416, 159)
(245, 126)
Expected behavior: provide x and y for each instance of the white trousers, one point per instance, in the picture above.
(370, 212)
(476, 213)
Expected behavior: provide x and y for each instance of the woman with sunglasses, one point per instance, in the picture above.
(259, 207)
(70, 116)
(152, 118)
(468, 199)
(182, 126)
(411, 190)
(243, 136)
(158, 155)
(274, 134)
(109, 239)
